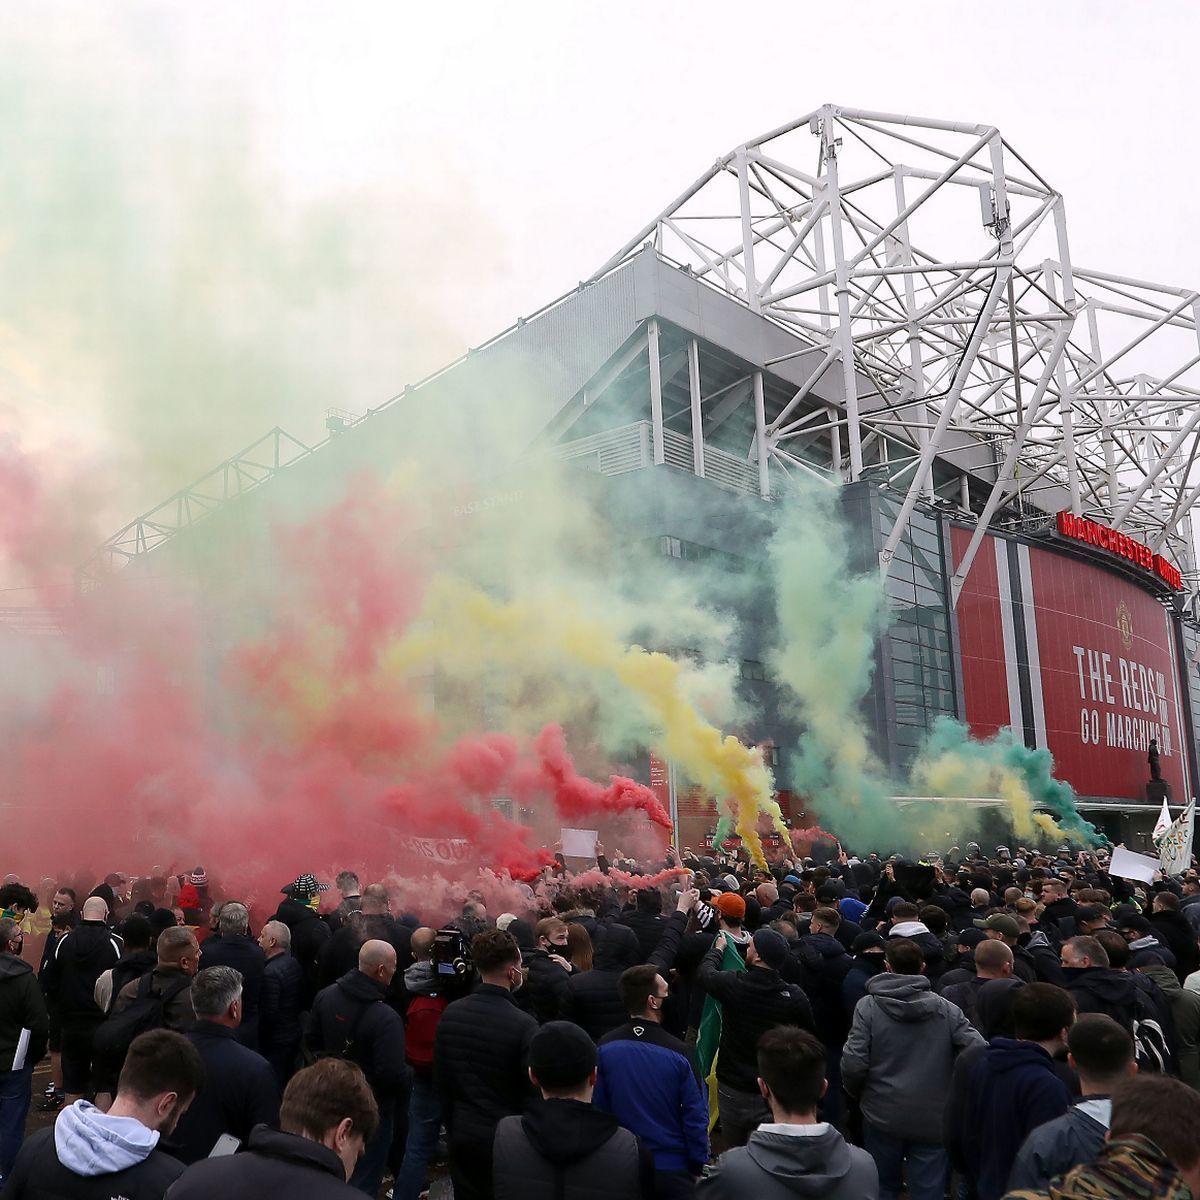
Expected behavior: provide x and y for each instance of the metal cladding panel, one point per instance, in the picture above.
(1079, 659)
(981, 641)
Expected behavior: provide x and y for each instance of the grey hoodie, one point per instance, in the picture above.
(783, 1162)
(419, 979)
(900, 1055)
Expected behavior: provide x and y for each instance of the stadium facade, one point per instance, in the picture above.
(890, 303)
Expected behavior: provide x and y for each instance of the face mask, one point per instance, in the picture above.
(564, 951)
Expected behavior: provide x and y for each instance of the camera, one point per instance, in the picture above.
(451, 957)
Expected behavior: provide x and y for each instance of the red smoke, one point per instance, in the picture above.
(153, 733)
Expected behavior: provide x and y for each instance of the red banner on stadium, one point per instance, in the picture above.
(1076, 659)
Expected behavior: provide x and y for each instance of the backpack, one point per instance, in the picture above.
(421, 1024)
(1151, 1049)
(146, 1011)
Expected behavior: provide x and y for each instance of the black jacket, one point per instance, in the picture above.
(22, 1010)
(1104, 990)
(280, 1003)
(826, 965)
(309, 935)
(752, 1002)
(1175, 931)
(568, 1150)
(592, 1000)
(340, 953)
(38, 1175)
(480, 1061)
(272, 1164)
(243, 954)
(545, 992)
(349, 1019)
(647, 927)
(132, 966)
(80, 959)
(238, 1093)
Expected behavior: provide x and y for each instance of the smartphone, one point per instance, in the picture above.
(226, 1144)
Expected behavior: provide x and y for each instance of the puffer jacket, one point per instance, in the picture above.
(24, 1024)
(480, 1061)
(777, 1165)
(902, 1045)
(544, 995)
(568, 1150)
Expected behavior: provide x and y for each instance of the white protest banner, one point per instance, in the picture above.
(579, 843)
(1128, 865)
(1175, 846)
(443, 851)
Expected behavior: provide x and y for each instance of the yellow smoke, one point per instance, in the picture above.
(953, 774)
(464, 630)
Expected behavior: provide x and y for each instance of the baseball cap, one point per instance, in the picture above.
(971, 937)
(731, 905)
(1002, 923)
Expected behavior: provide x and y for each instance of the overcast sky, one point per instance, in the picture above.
(497, 154)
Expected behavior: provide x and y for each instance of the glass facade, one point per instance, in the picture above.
(918, 642)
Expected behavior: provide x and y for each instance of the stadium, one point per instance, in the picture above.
(887, 302)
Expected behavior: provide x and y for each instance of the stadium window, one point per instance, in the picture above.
(752, 669)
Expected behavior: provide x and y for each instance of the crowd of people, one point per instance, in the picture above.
(1020, 1024)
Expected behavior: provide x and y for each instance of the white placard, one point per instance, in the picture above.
(1128, 865)
(579, 843)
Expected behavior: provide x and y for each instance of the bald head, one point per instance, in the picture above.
(95, 909)
(980, 898)
(422, 941)
(993, 960)
(377, 960)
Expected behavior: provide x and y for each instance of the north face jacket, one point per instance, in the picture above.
(900, 1053)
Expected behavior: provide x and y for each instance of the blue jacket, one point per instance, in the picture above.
(647, 1079)
(997, 1098)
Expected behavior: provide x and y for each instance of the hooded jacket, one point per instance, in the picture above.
(90, 1155)
(1011, 1088)
(350, 1020)
(24, 1024)
(932, 949)
(1131, 1166)
(900, 1053)
(79, 960)
(1185, 1017)
(1054, 1148)
(782, 1162)
(1175, 931)
(568, 1150)
(591, 998)
(271, 1164)
(863, 968)
(826, 965)
(1103, 990)
(1044, 958)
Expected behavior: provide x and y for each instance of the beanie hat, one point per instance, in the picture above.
(731, 906)
(731, 882)
(771, 947)
(561, 1055)
(304, 887)
(851, 909)
(198, 878)
(867, 941)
